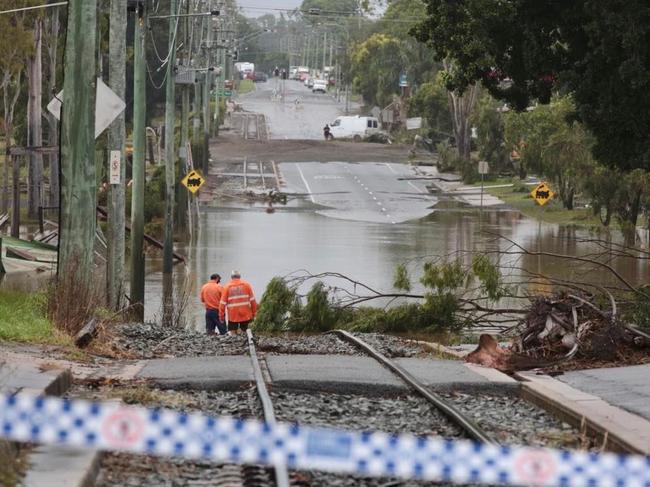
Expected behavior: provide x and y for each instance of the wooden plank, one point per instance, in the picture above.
(86, 334)
(148, 238)
(20, 254)
(23, 151)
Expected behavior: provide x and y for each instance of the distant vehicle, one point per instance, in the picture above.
(302, 73)
(355, 128)
(309, 83)
(293, 71)
(320, 86)
(258, 76)
(245, 68)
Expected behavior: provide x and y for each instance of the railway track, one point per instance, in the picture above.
(447, 409)
(254, 126)
(232, 475)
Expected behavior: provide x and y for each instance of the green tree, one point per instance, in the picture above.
(376, 66)
(430, 102)
(490, 126)
(523, 50)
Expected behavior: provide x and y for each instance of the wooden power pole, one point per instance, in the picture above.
(170, 167)
(139, 135)
(78, 183)
(116, 142)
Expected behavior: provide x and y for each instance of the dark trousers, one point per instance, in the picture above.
(212, 322)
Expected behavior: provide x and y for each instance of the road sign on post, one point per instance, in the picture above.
(542, 194)
(193, 181)
(483, 169)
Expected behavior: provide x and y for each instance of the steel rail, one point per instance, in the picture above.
(281, 473)
(469, 426)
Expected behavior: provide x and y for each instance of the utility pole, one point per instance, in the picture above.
(116, 139)
(139, 135)
(78, 184)
(185, 123)
(170, 168)
(206, 98)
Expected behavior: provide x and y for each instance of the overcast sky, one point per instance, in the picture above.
(247, 4)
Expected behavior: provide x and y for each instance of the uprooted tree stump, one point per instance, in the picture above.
(557, 329)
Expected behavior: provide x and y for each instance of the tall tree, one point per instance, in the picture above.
(17, 42)
(524, 50)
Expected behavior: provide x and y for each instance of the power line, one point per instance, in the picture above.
(23, 9)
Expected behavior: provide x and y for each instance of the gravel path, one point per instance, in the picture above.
(390, 346)
(121, 469)
(153, 341)
(508, 419)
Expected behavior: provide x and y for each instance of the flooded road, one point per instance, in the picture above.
(360, 220)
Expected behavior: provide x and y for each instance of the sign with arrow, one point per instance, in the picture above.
(542, 194)
(193, 181)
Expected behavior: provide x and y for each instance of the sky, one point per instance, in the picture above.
(268, 4)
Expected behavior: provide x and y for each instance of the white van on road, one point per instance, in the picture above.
(355, 127)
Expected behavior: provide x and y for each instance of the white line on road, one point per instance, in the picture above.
(374, 198)
(383, 209)
(311, 196)
(379, 203)
(391, 168)
(370, 192)
(415, 187)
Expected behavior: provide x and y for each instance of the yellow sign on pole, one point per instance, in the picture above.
(542, 194)
(193, 181)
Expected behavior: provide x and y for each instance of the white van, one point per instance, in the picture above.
(354, 127)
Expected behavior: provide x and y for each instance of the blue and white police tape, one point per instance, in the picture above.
(163, 432)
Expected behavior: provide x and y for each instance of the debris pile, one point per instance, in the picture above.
(567, 326)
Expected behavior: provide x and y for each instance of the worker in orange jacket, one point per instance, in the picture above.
(238, 305)
(211, 299)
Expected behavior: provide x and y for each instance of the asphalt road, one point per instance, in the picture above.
(292, 110)
(368, 192)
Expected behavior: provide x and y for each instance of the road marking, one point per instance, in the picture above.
(415, 187)
(370, 192)
(311, 196)
(374, 198)
(383, 209)
(379, 203)
(391, 168)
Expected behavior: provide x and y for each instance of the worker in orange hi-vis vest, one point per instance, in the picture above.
(238, 305)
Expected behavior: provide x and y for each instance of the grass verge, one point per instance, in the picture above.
(518, 197)
(24, 319)
(245, 86)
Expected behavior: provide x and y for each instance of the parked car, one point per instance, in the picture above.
(355, 127)
(258, 76)
(310, 83)
(320, 86)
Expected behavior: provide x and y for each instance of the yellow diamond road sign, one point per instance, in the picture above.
(193, 181)
(542, 194)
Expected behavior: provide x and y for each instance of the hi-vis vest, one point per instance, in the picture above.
(237, 302)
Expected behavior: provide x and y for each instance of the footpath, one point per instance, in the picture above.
(614, 403)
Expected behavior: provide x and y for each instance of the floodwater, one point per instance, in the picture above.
(361, 221)
(263, 245)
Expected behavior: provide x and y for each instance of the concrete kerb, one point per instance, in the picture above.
(623, 431)
(49, 465)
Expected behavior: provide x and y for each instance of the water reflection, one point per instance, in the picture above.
(265, 245)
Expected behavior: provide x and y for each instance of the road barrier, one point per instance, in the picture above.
(163, 432)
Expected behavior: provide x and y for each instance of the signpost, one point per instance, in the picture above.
(542, 194)
(114, 167)
(483, 169)
(193, 181)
